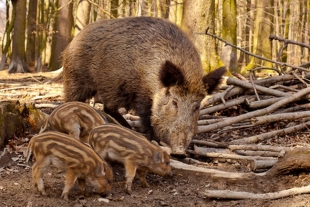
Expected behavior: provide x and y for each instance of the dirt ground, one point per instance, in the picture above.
(184, 188)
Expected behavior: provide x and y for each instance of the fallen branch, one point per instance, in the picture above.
(261, 137)
(224, 154)
(257, 153)
(276, 117)
(213, 172)
(227, 194)
(222, 106)
(257, 147)
(261, 112)
(295, 159)
(258, 165)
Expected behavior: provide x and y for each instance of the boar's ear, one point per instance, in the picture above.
(100, 170)
(213, 79)
(158, 157)
(170, 75)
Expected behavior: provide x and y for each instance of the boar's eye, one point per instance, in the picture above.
(175, 104)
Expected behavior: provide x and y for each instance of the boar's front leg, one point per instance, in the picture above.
(141, 176)
(130, 174)
(82, 185)
(70, 180)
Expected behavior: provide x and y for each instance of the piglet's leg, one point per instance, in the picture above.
(130, 174)
(37, 171)
(141, 176)
(70, 180)
(82, 185)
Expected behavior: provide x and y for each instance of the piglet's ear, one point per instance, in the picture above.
(100, 170)
(171, 75)
(213, 79)
(158, 157)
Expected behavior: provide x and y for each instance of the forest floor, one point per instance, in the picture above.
(184, 188)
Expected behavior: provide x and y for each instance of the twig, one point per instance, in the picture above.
(282, 64)
(253, 86)
(286, 41)
(234, 81)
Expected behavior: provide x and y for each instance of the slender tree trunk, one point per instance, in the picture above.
(82, 16)
(18, 62)
(6, 41)
(62, 32)
(262, 29)
(31, 32)
(114, 6)
(229, 33)
(197, 16)
(179, 12)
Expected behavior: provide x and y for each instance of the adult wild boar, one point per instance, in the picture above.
(143, 63)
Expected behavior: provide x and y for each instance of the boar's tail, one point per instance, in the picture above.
(213, 79)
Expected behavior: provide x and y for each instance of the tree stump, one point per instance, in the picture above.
(16, 118)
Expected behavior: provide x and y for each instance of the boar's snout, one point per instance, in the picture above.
(178, 151)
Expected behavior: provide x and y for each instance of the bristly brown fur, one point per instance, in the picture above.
(144, 64)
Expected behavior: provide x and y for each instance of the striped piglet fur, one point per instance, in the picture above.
(79, 161)
(117, 143)
(74, 118)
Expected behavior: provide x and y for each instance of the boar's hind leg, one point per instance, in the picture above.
(70, 180)
(118, 117)
(130, 174)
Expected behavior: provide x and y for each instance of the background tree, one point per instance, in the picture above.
(31, 32)
(61, 33)
(263, 27)
(6, 38)
(197, 16)
(18, 62)
(82, 16)
(245, 23)
(229, 33)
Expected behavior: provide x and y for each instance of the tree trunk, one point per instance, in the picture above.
(6, 41)
(262, 29)
(229, 33)
(62, 32)
(197, 17)
(31, 32)
(82, 16)
(18, 62)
